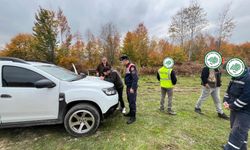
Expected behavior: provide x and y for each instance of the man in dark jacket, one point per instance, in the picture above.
(114, 77)
(211, 82)
(237, 99)
(131, 81)
(101, 66)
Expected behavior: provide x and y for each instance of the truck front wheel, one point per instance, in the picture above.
(82, 120)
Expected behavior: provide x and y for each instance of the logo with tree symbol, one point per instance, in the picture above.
(213, 59)
(235, 67)
(168, 62)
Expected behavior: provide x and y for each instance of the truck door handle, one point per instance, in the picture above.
(5, 96)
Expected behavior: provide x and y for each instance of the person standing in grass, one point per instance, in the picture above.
(114, 77)
(131, 81)
(237, 100)
(166, 76)
(211, 83)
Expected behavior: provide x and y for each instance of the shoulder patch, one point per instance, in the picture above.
(133, 70)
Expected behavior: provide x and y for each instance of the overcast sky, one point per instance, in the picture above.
(17, 16)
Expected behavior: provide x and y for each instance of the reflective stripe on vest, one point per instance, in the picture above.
(165, 77)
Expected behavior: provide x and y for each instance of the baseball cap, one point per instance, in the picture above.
(124, 57)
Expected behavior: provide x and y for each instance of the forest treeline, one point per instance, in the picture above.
(186, 40)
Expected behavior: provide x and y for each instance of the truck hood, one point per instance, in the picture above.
(91, 81)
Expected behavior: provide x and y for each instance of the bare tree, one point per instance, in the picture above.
(187, 24)
(79, 46)
(226, 24)
(64, 29)
(195, 17)
(92, 46)
(178, 28)
(110, 39)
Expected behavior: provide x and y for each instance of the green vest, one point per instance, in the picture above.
(165, 77)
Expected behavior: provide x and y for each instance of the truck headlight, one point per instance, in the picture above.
(109, 91)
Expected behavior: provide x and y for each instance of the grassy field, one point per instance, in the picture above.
(153, 129)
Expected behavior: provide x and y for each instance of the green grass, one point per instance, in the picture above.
(152, 130)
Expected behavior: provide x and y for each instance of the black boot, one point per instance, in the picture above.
(198, 110)
(223, 116)
(131, 120)
(171, 112)
(127, 115)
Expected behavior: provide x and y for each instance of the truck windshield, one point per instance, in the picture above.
(60, 73)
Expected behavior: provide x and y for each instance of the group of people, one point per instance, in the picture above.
(105, 72)
(236, 99)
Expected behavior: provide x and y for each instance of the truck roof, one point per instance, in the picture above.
(17, 60)
(34, 63)
(12, 59)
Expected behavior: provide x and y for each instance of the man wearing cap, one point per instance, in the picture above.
(237, 99)
(114, 77)
(167, 79)
(131, 81)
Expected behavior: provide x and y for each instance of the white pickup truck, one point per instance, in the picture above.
(34, 93)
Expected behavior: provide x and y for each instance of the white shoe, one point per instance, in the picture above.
(124, 110)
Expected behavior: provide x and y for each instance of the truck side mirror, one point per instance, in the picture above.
(44, 83)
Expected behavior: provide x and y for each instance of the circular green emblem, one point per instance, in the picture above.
(168, 62)
(213, 59)
(235, 67)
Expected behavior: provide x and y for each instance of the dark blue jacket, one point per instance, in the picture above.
(131, 76)
(238, 93)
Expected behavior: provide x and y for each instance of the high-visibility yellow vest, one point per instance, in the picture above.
(165, 77)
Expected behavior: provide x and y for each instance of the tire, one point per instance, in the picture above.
(82, 120)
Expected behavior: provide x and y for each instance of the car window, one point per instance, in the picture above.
(19, 77)
(60, 73)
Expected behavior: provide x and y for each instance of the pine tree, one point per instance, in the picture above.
(45, 32)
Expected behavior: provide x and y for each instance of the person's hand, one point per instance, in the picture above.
(131, 90)
(97, 74)
(207, 86)
(226, 105)
(102, 77)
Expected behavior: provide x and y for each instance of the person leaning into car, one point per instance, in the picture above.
(114, 77)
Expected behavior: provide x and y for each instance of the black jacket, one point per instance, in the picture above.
(205, 75)
(131, 76)
(173, 77)
(100, 68)
(115, 78)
